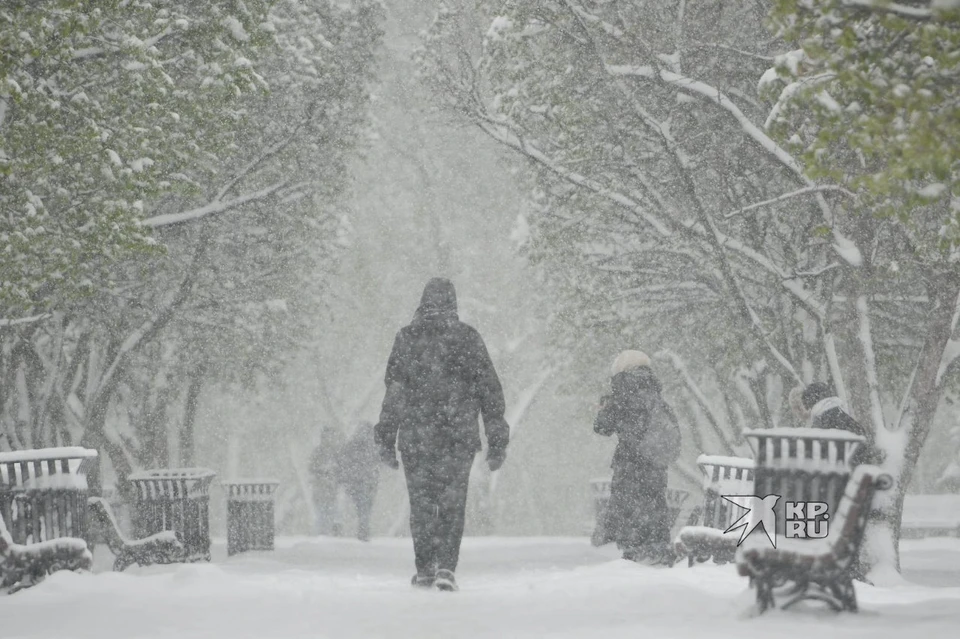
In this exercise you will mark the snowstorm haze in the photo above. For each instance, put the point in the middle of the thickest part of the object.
(431, 197)
(228, 233)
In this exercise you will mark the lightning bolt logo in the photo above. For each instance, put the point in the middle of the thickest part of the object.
(759, 513)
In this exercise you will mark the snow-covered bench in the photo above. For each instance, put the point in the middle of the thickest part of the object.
(250, 518)
(930, 516)
(162, 548)
(24, 565)
(816, 569)
(175, 499)
(722, 476)
(43, 493)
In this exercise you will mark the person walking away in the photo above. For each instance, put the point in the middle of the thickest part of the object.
(323, 469)
(439, 379)
(648, 441)
(358, 473)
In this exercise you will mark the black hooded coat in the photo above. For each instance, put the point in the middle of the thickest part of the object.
(439, 380)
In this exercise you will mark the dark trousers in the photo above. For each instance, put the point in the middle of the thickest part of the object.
(363, 497)
(325, 500)
(438, 500)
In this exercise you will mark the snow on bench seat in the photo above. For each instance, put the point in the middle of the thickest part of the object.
(24, 565)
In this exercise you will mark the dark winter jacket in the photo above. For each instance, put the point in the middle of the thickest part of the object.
(358, 464)
(439, 380)
(829, 414)
(627, 413)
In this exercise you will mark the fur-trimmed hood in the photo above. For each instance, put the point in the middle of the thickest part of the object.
(628, 360)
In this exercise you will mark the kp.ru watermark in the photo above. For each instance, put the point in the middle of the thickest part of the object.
(803, 519)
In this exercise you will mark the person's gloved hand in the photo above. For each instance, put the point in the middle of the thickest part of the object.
(495, 458)
(389, 457)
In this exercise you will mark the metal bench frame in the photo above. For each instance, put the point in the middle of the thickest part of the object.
(162, 548)
(821, 570)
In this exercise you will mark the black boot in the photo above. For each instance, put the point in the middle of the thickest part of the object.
(445, 581)
(422, 581)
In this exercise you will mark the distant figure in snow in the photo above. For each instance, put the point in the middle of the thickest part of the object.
(439, 379)
(819, 406)
(358, 473)
(323, 469)
(648, 440)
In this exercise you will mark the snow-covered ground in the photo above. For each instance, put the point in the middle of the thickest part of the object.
(542, 587)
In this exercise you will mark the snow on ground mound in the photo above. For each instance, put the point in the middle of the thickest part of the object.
(519, 588)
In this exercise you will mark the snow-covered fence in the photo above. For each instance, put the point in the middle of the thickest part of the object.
(175, 499)
(802, 465)
(250, 514)
(43, 493)
(722, 476)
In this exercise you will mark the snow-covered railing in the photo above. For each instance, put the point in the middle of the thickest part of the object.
(810, 449)
(175, 499)
(802, 465)
(250, 514)
(43, 493)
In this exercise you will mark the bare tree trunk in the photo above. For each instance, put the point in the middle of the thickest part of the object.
(187, 439)
(152, 429)
(904, 442)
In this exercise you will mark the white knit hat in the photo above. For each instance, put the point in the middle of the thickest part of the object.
(628, 360)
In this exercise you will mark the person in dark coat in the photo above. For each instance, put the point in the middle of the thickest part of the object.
(439, 379)
(636, 517)
(358, 473)
(323, 469)
(824, 409)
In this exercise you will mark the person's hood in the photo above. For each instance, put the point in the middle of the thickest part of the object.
(827, 404)
(628, 360)
(439, 301)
